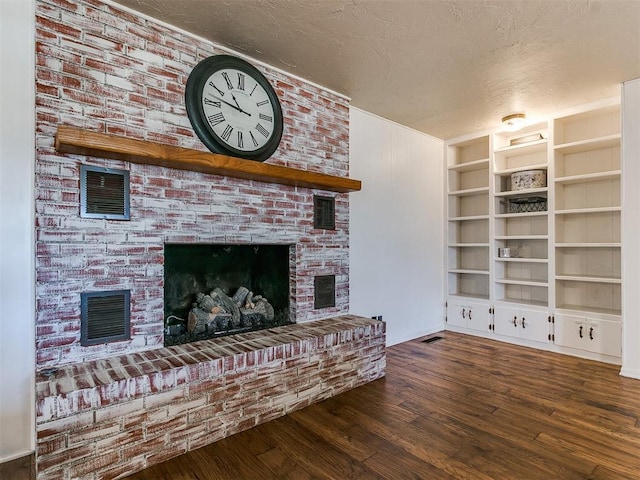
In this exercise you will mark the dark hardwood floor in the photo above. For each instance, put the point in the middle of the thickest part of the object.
(457, 408)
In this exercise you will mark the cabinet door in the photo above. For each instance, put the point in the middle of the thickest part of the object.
(534, 325)
(570, 331)
(507, 321)
(593, 335)
(457, 314)
(478, 318)
(603, 336)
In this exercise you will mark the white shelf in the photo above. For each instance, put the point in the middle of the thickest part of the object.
(589, 177)
(469, 166)
(467, 296)
(507, 172)
(523, 214)
(469, 217)
(588, 309)
(575, 211)
(522, 281)
(589, 144)
(522, 259)
(589, 278)
(523, 149)
(462, 245)
(522, 193)
(522, 237)
(520, 301)
(588, 245)
(469, 191)
(468, 271)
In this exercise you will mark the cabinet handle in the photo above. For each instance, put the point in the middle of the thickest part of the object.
(463, 313)
(590, 333)
(515, 321)
(469, 314)
(580, 331)
(523, 323)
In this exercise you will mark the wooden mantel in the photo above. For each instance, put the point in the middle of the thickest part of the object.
(77, 141)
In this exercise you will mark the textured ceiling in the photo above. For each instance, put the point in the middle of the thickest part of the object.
(445, 68)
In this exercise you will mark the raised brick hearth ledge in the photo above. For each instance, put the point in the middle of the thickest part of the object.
(109, 418)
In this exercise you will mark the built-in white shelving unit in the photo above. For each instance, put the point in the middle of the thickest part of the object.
(558, 285)
(468, 218)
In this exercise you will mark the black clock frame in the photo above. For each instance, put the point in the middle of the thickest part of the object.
(195, 111)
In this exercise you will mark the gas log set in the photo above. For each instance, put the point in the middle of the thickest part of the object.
(216, 314)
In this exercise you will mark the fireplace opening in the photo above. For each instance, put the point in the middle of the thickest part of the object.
(219, 289)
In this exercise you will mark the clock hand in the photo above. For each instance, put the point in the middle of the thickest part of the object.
(239, 108)
(231, 105)
(234, 99)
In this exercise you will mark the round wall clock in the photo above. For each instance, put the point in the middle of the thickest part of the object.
(233, 108)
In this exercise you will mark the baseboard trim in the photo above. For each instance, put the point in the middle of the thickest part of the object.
(630, 372)
(16, 456)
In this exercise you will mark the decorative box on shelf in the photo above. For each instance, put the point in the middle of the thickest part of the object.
(528, 179)
(527, 204)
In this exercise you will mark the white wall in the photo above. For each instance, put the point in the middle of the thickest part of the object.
(17, 156)
(630, 230)
(396, 239)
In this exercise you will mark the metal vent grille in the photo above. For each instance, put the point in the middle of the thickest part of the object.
(324, 291)
(104, 316)
(324, 212)
(104, 193)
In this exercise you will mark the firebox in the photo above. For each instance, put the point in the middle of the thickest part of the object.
(219, 289)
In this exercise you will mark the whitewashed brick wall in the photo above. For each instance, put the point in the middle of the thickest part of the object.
(106, 70)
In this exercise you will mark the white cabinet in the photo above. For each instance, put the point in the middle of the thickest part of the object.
(589, 334)
(527, 324)
(468, 315)
(563, 238)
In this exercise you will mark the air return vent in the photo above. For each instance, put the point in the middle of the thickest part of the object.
(324, 212)
(324, 291)
(104, 316)
(104, 193)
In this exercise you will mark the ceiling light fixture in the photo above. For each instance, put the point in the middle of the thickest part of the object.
(514, 122)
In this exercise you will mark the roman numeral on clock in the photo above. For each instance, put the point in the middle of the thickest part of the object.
(213, 103)
(211, 84)
(216, 118)
(265, 117)
(227, 133)
(240, 81)
(225, 75)
(262, 130)
(253, 139)
(240, 140)
(263, 102)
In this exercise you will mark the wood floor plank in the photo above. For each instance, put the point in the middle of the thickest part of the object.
(282, 466)
(459, 408)
(316, 456)
(335, 430)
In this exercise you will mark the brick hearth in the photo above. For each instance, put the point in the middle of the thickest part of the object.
(109, 418)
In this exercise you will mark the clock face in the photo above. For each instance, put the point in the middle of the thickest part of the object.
(238, 109)
(233, 108)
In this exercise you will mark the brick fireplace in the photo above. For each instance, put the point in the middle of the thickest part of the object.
(104, 70)
(108, 409)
